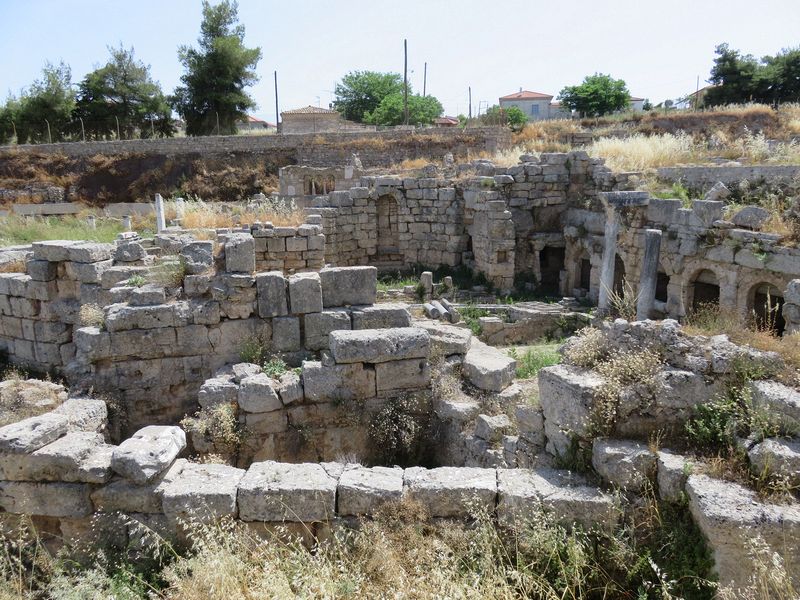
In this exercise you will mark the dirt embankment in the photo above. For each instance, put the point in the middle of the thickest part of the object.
(103, 179)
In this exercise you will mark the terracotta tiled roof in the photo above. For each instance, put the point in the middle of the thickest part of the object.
(526, 95)
(309, 110)
(635, 99)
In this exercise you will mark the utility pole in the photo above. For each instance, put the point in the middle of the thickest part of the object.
(405, 80)
(49, 137)
(83, 130)
(117, 120)
(470, 101)
(697, 94)
(217, 114)
(425, 80)
(276, 101)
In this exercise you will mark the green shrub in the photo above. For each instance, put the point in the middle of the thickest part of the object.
(274, 368)
(471, 314)
(533, 359)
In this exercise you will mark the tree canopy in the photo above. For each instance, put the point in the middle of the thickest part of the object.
(739, 78)
(359, 93)
(513, 116)
(123, 90)
(48, 102)
(598, 95)
(422, 110)
(217, 73)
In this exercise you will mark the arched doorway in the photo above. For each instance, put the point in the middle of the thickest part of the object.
(551, 263)
(766, 307)
(388, 231)
(704, 290)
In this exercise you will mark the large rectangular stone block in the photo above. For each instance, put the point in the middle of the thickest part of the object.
(46, 499)
(400, 375)
(129, 497)
(148, 452)
(277, 492)
(202, 492)
(271, 294)
(488, 368)
(32, 433)
(379, 345)
(305, 293)
(319, 325)
(363, 490)
(337, 383)
(381, 316)
(240, 253)
(286, 334)
(452, 491)
(348, 286)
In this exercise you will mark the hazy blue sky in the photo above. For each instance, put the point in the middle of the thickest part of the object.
(659, 48)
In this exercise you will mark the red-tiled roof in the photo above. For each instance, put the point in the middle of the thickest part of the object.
(526, 95)
(309, 110)
(635, 99)
(446, 120)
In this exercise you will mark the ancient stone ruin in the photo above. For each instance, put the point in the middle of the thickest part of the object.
(266, 348)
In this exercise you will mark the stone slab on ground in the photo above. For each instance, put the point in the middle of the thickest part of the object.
(125, 496)
(381, 316)
(277, 492)
(446, 339)
(32, 433)
(452, 491)
(205, 492)
(487, 368)
(731, 516)
(148, 452)
(348, 286)
(626, 464)
(46, 499)
(362, 490)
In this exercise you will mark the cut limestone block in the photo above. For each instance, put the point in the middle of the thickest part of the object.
(402, 375)
(348, 286)
(46, 499)
(204, 492)
(673, 471)
(271, 288)
(32, 433)
(488, 368)
(452, 491)
(362, 490)
(777, 457)
(381, 316)
(76, 457)
(289, 388)
(567, 398)
(305, 293)
(286, 334)
(240, 253)
(257, 394)
(731, 516)
(217, 391)
(337, 383)
(625, 464)
(276, 492)
(319, 325)
(125, 496)
(379, 345)
(446, 339)
(492, 428)
(524, 494)
(85, 414)
(148, 452)
(777, 398)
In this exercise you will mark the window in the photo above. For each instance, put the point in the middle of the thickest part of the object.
(534, 109)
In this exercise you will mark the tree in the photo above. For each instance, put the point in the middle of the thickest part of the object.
(9, 114)
(598, 95)
(212, 97)
(422, 110)
(733, 77)
(647, 105)
(123, 90)
(361, 92)
(514, 117)
(46, 105)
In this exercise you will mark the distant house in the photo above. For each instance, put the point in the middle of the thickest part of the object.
(310, 119)
(251, 123)
(697, 99)
(637, 104)
(535, 105)
(445, 121)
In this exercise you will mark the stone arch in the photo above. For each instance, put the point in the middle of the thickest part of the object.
(766, 307)
(703, 289)
(387, 218)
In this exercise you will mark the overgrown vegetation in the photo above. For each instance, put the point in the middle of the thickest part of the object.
(92, 315)
(471, 315)
(658, 553)
(535, 358)
(219, 427)
(24, 230)
(399, 432)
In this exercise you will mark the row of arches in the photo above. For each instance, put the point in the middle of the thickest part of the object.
(756, 297)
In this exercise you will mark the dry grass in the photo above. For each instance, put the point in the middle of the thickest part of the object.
(199, 214)
(639, 152)
(546, 136)
(13, 266)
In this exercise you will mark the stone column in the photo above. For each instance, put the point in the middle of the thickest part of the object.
(161, 223)
(609, 255)
(126, 223)
(91, 221)
(649, 274)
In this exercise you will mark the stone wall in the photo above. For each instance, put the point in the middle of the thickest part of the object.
(321, 149)
(700, 179)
